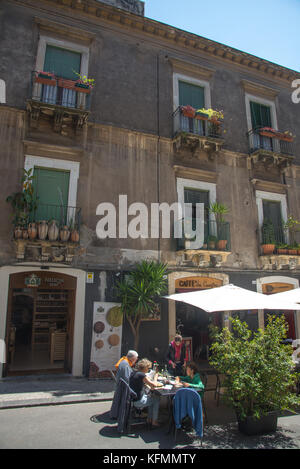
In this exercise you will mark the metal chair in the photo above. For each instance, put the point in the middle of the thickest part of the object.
(187, 402)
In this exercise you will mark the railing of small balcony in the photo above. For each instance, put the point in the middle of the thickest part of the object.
(64, 215)
(199, 234)
(196, 123)
(284, 239)
(56, 91)
(270, 140)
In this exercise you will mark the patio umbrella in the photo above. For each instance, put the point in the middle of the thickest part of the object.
(231, 298)
(290, 295)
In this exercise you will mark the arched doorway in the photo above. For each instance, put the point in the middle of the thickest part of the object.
(40, 322)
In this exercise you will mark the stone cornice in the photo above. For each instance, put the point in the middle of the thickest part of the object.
(269, 186)
(259, 90)
(197, 71)
(195, 173)
(169, 34)
(61, 29)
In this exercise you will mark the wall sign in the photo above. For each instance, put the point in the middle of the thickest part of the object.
(32, 281)
(106, 339)
(197, 283)
(276, 287)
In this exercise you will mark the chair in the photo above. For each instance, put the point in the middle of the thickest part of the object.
(113, 375)
(209, 388)
(187, 402)
(122, 408)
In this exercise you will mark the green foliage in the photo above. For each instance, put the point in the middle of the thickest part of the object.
(219, 210)
(257, 367)
(139, 292)
(268, 233)
(25, 202)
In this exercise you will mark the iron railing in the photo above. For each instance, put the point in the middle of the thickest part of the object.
(274, 143)
(62, 214)
(212, 235)
(193, 125)
(58, 91)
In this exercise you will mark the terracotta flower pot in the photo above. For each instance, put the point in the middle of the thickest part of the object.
(25, 233)
(188, 111)
(75, 236)
(281, 251)
(64, 233)
(268, 248)
(18, 232)
(53, 231)
(292, 252)
(32, 230)
(222, 243)
(43, 230)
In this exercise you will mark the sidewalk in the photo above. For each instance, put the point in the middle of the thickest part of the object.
(29, 391)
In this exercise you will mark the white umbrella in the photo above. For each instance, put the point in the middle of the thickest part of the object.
(231, 298)
(290, 295)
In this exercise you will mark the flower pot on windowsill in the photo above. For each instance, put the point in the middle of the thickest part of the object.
(45, 78)
(282, 251)
(267, 249)
(292, 252)
(201, 116)
(83, 88)
(188, 111)
(221, 244)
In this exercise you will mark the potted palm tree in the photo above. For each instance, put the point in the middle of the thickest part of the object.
(139, 292)
(257, 368)
(268, 237)
(219, 210)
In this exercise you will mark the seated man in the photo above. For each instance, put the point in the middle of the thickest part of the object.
(125, 365)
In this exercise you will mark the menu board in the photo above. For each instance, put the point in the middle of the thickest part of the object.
(106, 338)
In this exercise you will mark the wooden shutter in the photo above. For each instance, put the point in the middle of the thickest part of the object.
(62, 62)
(260, 115)
(52, 189)
(190, 94)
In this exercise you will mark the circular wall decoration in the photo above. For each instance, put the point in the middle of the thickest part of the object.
(99, 344)
(99, 327)
(113, 340)
(114, 316)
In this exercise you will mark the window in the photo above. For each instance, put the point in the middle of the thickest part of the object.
(272, 206)
(260, 113)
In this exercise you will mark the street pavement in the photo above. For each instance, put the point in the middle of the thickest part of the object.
(68, 413)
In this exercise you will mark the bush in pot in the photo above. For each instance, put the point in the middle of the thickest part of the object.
(258, 371)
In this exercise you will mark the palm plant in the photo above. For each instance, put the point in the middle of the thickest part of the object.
(139, 292)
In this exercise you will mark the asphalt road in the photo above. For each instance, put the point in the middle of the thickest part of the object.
(87, 426)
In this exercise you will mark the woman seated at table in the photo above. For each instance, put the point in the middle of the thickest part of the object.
(138, 382)
(192, 379)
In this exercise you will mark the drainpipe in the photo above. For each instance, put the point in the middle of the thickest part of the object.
(158, 148)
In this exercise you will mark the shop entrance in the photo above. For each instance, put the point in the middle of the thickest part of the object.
(193, 323)
(40, 323)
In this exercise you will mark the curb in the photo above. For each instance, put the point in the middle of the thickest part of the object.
(84, 398)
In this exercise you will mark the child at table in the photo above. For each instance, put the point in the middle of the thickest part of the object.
(192, 378)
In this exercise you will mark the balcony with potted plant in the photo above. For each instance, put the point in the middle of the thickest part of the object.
(43, 232)
(279, 247)
(65, 101)
(208, 246)
(271, 146)
(198, 129)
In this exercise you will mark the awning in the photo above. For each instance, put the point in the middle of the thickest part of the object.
(232, 298)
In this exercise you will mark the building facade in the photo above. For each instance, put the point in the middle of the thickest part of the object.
(134, 137)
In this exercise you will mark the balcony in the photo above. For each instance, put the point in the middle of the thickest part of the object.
(205, 244)
(279, 248)
(67, 102)
(195, 131)
(271, 147)
(50, 234)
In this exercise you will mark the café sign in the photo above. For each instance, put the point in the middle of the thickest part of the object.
(197, 283)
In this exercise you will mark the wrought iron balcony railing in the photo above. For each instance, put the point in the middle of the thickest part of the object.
(199, 234)
(55, 91)
(196, 124)
(64, 215)
(275, 142)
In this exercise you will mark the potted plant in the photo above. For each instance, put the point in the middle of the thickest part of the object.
(84, 83)
(219, 210)
(268, 237)
(257, 369)
(45, 78)
(281, 248)
(291, 226)
(188, 111)
(212, 241)
(24, 202)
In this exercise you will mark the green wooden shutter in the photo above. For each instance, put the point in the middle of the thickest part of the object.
(62, 62)
(190, 94)
(52, 189)
(272, 211)
(193, 197)
(260, 115)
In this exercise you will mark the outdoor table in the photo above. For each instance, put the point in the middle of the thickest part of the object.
(169, 393)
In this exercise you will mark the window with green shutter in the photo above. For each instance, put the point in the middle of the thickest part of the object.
(272, 212)
(194, 197)
(52, 189)
(62, 62)
(260, 115)
(190, 94)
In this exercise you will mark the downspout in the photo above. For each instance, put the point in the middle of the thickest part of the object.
(158, 150)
